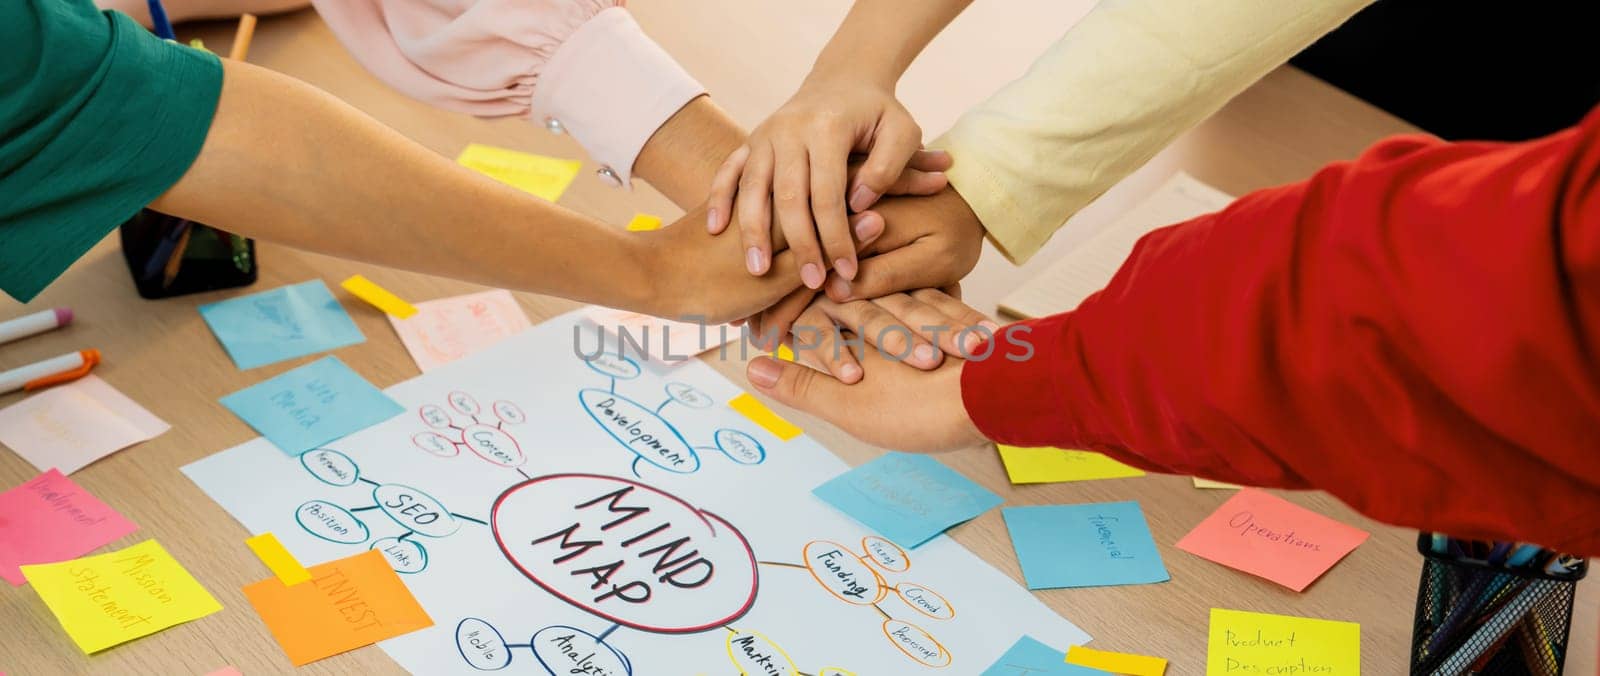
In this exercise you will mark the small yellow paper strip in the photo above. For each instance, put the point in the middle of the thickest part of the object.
(1116, 663)
(1207, 483)
(643, 222)
(758, 413)
(378, 297)
(784, 352)
(278, 559)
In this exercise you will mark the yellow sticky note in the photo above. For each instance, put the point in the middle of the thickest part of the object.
(759, 414)
(1258, 643)
(278, 559)
(109, 599)
(1207, 483)
(643, 222)
(785, 353)
(1050, 465)
(378, 297)
(1116, 663)
(545, 177)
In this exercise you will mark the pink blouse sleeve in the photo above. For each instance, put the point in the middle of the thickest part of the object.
(582, 67)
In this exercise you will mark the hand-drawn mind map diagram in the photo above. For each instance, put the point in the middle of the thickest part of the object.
(631, 555)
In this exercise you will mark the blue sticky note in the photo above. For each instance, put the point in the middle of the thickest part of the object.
(908, 498)
(1091, 545)
(284, 323)
(311, 405)
(1029, 657)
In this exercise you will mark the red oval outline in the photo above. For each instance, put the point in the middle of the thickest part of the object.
(755, 586)
(522, 456)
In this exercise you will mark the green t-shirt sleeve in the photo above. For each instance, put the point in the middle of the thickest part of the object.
(98, 117)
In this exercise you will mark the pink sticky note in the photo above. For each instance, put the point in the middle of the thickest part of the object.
(51, 519)
(225, 671)
(1262, 534)
(448, 329)
(69, 426)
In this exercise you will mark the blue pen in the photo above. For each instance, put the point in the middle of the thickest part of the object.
(1439, 543)
(1497, 555)
(1523, 555)
(165, 250)
(158, 18)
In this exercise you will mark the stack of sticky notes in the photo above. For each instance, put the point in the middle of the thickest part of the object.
(1051, 465)
(70, 426)
(908, 498)
(109, 599)
(1258, 643)
(312, 405)
(283, 323)
(546, 177)
(1265, 535)
(347, 603)
(51, 519)
(1089, 545)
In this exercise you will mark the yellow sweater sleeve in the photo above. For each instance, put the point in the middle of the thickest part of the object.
(1117, 88)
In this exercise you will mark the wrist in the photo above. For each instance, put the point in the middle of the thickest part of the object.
(965, 432)
(856, 72)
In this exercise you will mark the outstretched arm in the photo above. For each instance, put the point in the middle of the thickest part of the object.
(1414, 332)
(286, 162)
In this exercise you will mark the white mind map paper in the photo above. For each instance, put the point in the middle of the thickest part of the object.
(561, 515)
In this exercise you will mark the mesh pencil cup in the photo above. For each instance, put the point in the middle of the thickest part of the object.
(1474, 617)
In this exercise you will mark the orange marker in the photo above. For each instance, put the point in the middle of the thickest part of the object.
(62, 369)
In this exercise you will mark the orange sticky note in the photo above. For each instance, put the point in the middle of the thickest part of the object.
(1265, 535)
(348, 603)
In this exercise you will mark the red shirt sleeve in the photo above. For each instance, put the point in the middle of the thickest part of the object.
(1416, 332)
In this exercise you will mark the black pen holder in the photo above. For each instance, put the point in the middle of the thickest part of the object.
(1473, 617)
(206, 259)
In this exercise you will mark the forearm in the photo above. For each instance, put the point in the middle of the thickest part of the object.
(288, 163)
(879, 39)
(1428, 309)
(1115, 90)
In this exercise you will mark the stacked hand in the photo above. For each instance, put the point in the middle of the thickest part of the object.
(797, 165)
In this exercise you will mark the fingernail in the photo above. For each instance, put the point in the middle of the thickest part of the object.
(850, 373)
(925, 354)
(839, 288)
(711, 220)
(971, 343)
(754, 261)
(845, 267)
(764, 372)
(862, 198)
(811, 274)
(868, 227)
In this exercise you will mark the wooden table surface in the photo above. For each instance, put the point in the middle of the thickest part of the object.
(161, 354)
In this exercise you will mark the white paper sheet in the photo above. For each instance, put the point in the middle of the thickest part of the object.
(511, 451)
(1088, 268)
